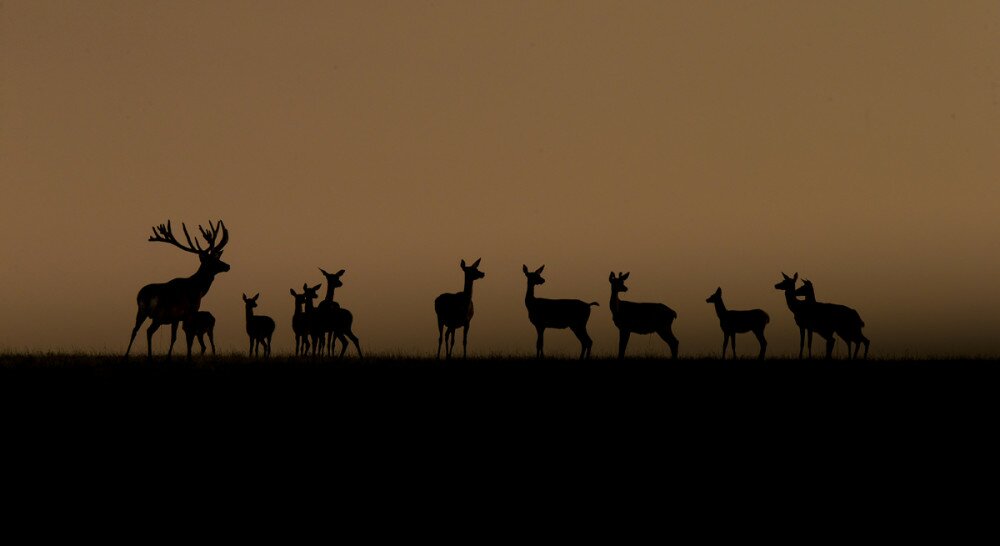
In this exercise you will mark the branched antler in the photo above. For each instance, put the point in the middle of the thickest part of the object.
(165, 234)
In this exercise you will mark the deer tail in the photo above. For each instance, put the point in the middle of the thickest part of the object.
(595, 304)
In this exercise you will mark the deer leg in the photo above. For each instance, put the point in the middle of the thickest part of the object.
(539, 345)
(829, 346)
(354, 340)
(811, 343)
(189, 341)
(201, 341)
(451, 346)
(211, 339)
(762, 341)
(140, 317)
(802, 340)
(440, 335)
(149, 338)
(585, 341)
(667, 335)
(267, 347)
(623, 336)
(465, 339)
(725, 344)
(173, 338)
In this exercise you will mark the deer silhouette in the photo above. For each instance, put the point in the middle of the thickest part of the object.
(546, 313)
(197, 325)
(843, 320)
(334, 321)
(739, 322)
(639, 318)
(173, 301)
(808, 316)
(315, 332)
(454, 310)
(301, 323)
(259, 328)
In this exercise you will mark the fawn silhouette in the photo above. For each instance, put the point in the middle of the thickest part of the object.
(454, 310)
(314, 330)
(301, 323)
(546, 313)
(843, 320)
(197, 325)
(259, 328)
(173, 301)
(640, 318)
(808, 316)
(739, 322)
(334, 321)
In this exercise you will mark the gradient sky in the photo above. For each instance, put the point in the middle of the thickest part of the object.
(695, 144)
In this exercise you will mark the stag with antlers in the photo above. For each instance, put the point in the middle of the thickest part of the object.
(174, 301)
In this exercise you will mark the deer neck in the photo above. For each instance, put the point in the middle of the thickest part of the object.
(329, 292)
(202, 279)
(249, 315)
(615, 301)
(309, 306)
(298, 308)
(467, 289)
(529, 297)
(791, 300)
(720, 308)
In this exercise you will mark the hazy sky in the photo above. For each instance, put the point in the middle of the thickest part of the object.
(695, 144)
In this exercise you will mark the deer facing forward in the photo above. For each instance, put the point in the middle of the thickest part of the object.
(843, 320)
(545, 313)
(454, 310)
(334, 321)
(640, 318)
(173, 301)
(259, 328)
(739, 322)
(301, 326)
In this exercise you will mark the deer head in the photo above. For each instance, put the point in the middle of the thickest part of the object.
(787, 283)
(250, 302)
(333, 279)
(618, 283)
(472, 272)
(534, 277)
(806, 290)
(309, 293)
(216, 237)
(716, 296)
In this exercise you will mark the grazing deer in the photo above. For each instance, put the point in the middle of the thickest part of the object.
(455, 310)
(173, 301)
(846, 322)
(197, 325)
(640, 318)
(259, 328)
(545, 313)
(739, 322)
(808, 317)
(334, 321)
(300, 323)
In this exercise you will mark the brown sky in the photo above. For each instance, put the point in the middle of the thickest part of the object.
(695, 144)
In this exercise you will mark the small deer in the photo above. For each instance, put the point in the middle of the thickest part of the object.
(315, 331)
(546, 313)
(739, 322)
(808, 316)
(844, 321)
(300, 323)
(640, 318)
(173, 301)
(197, 325)
(259, 328)
(334, 321)
(454, 310)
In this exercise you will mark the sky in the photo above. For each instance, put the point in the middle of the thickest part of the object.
(694, 144)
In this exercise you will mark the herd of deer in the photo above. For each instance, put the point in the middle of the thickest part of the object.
(317, 327)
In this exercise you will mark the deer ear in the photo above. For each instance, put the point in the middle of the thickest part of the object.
(341, 272)
(625, 276)
(795, 277)
(244, 297)
(317, 286)
(612, 276)
(476, 263)
(539, 270)
(323, 271)
(292, 290)
(305, 287)
(463, 264)
(524, 268)
(255, 297)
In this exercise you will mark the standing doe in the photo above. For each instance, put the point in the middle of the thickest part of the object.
(843, 320)
(333, 320)
(259, 328)
(640, 318)
(197, 325)
(808, 316)
(173, 301)
(301, 325)
(739, 322)
(545, 313)
(454, 310)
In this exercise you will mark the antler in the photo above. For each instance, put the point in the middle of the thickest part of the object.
(165, 234)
